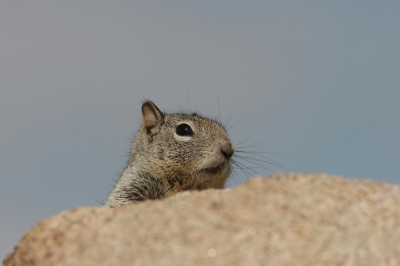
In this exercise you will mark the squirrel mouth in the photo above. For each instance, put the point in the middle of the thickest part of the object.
(212, 175)
(211, 170)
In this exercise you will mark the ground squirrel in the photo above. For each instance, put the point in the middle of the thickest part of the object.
(173, 153)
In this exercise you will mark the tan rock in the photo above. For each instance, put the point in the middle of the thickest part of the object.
(287, 219)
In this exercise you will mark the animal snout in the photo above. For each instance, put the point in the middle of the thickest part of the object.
(227, 149)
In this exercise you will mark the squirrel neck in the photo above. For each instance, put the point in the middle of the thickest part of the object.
(140, 183)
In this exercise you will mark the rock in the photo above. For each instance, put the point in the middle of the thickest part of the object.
(286, 219)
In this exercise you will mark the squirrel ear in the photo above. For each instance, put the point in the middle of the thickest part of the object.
(152, 118)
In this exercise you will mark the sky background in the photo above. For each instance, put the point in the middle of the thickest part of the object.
(318, 82)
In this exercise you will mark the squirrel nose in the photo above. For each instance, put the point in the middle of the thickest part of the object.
(227, 149)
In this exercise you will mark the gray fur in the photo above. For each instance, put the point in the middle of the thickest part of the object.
(163, 162)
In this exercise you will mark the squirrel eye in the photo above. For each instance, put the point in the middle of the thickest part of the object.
(184, 130)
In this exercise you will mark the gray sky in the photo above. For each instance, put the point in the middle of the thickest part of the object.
(319, 82)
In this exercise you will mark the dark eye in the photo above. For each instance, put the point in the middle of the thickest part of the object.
(184, 130)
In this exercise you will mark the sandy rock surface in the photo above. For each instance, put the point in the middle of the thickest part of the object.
(286, 219)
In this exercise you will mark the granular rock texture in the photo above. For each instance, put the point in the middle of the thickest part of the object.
(286, 219)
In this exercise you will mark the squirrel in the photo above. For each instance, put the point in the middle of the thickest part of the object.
(173, 153)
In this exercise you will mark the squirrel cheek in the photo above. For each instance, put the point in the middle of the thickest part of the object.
(160, 154)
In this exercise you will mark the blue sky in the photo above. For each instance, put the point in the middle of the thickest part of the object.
(319, 82)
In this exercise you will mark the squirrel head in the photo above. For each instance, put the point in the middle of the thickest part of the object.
(187, 150)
